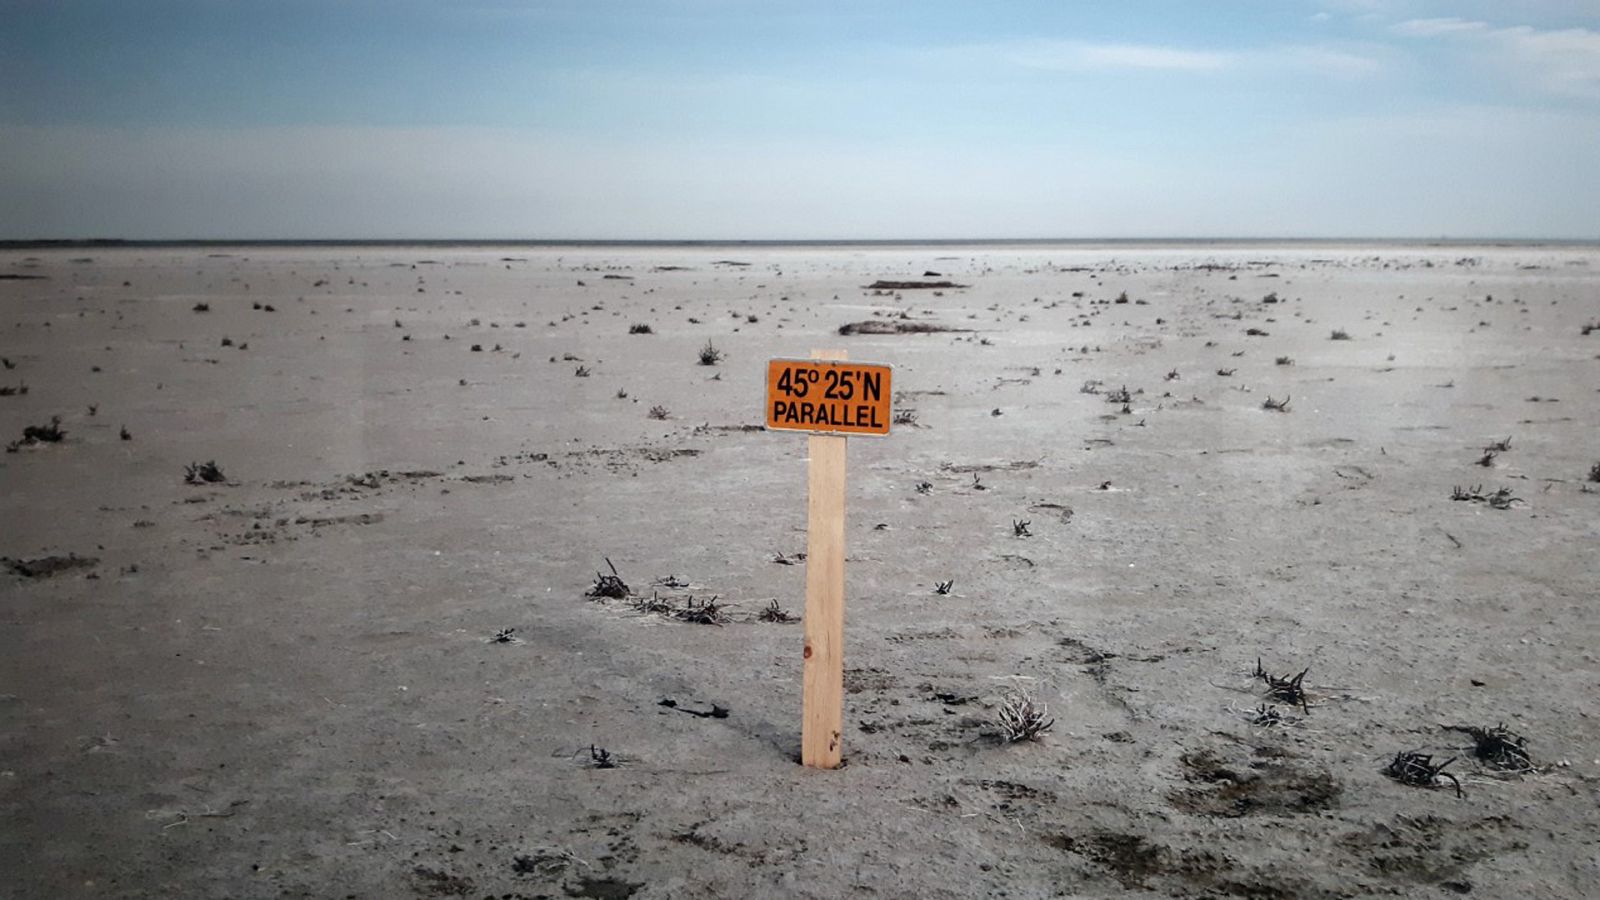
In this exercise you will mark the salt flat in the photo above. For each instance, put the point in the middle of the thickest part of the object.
(284, 683)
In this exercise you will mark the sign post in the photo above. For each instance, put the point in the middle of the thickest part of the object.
(829, 398)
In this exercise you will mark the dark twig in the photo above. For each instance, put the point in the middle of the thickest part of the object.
(1498, 747)
(609, 586)
(1417, 769)
(1289, 690)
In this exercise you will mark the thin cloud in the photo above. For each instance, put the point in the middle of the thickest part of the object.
(1081, 56)
(1563, 61)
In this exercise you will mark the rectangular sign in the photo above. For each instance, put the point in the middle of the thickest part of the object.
(828, 397)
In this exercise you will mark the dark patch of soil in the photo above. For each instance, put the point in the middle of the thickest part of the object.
(894, 326)
(1131, 859)
(1272, 785)
(47, 566)
(603, 888)
(438, 883)
(1428, 849)
(912, 285)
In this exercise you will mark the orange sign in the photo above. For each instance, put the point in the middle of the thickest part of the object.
(826, 397)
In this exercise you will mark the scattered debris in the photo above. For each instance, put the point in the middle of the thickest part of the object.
(924, 487)
(775, 613)
(203, 473)
(1019, 528)
(1266, 716)
(1277, 405)
(686, 609)
(1500, 499)
(1226, 373)
(609, 586)
(505, 636)
(1021, 717)
(1498, 747)
(716, 712)
(1288, 690)
(34, 435)
(601, 758)
(1498, 446)
(1417, 769)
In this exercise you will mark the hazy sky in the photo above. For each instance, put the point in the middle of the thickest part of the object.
(799, 118)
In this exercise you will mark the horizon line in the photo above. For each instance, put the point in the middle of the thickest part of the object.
(46, 243)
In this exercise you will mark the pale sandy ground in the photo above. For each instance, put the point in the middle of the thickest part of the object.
(281, 686)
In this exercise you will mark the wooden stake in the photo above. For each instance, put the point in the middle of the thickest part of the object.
(822, 724)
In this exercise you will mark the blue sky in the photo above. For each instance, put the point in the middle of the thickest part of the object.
(768, 120)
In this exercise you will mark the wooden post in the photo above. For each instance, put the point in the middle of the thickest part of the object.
(822, 724)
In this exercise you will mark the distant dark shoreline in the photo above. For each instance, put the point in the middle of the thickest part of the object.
(114, 243)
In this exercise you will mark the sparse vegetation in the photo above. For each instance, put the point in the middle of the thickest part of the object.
(1417, 769)
(658, 412)
(1276, 405)
(581, 371)
(640, 328)
(203, 473)
(1021, 717)
(1226, 373)
(1019, 528)
(1498, 747)
(608, 587)
(772, 612)
(879, 326)
(942, 588)
(1594, 472)
(32, 435)
(1285, 361)
(1339, 334)
(201, 307)
(1287, 689)
(710, 355)
(905, 417)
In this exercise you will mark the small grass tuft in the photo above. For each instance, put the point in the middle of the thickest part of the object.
(1021, 717)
